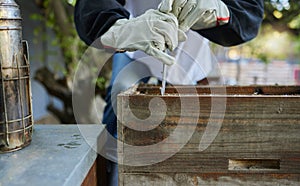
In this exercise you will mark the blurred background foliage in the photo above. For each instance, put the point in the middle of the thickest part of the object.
(279, 37)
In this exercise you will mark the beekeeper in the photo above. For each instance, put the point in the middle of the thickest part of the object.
(156, 32)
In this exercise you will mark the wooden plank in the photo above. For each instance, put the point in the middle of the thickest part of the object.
(97, 175)
(91, 178)
(230, 90)
(261, 125)
(180, 179)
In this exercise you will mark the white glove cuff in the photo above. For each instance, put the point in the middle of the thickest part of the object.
(216, 16)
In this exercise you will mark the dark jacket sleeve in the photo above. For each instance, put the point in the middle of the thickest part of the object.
(245, 20)
(94, 17)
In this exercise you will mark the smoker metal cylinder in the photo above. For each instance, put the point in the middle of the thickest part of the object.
(16, 121)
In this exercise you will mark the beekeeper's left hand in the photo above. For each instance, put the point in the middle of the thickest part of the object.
(197, 14)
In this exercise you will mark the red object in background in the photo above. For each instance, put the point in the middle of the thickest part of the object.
(297, 76)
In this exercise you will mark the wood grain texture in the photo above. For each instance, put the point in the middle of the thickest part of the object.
(261, 124)
(97, 175)
(187, 179)
(91, 177)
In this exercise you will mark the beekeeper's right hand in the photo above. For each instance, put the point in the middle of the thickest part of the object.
(153, 32)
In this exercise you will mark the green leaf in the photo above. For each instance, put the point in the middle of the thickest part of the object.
(72, 2)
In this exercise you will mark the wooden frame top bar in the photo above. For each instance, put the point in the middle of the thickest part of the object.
(219, 90)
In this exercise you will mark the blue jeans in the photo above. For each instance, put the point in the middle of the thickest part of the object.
(120, 60)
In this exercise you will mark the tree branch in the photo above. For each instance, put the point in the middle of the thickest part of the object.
(52, 85)
(64, 117)
(61, 17)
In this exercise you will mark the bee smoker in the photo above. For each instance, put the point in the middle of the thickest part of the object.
(16, 121)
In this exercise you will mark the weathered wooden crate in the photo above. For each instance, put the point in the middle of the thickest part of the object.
(256, 130)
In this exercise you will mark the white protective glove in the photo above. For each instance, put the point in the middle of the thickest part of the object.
(153, 32)
(197, 14)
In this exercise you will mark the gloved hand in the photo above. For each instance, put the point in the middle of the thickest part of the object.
(153, 32)
(197, 14)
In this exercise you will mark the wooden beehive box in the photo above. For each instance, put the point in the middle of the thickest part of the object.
(241, 135)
